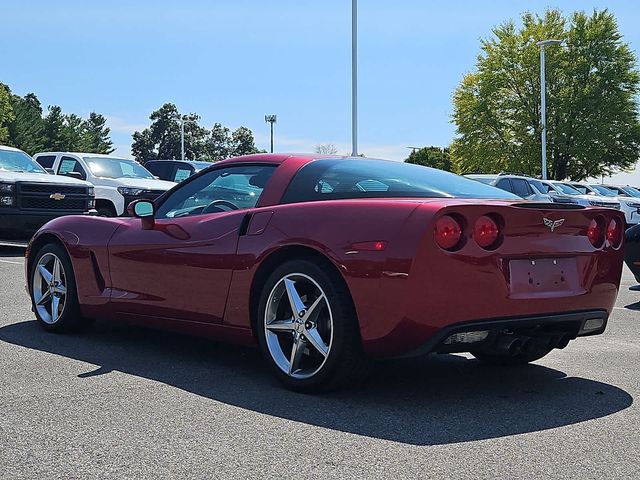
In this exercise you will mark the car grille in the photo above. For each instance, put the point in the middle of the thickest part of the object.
(37, 196)
(49, 189)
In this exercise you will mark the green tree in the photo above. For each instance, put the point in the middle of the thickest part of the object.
(26, 131)
(94, 135)
(6, 113)
(72, 130)
(592, 86)
(434, 157)
(242, 142)
(53, 130)
(218, 143)
(162, 139)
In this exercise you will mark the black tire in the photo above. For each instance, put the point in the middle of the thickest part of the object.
(504, 359)
(69, 318)
(106, 212)
(345, 362)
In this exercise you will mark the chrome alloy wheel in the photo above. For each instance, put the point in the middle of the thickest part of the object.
(298, 325)
(49, 287)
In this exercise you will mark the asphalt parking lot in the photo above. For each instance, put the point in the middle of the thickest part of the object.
(124, 402)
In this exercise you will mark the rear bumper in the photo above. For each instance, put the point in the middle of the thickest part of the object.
(555, 329)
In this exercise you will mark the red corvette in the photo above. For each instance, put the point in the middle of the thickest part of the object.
(327, 261)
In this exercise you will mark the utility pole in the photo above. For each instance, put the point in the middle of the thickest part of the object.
(543, 104)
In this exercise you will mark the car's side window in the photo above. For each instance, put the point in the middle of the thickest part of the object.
(68, 164)
(218, 191)
(521, 187)
(46, 161)
(504, 184)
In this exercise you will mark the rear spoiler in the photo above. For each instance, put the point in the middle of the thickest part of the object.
(549, 206)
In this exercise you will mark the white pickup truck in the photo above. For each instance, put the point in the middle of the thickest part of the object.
(117, 181)
(30, 197)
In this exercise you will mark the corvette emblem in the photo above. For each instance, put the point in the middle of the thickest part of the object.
(57, 196)
(553, 224)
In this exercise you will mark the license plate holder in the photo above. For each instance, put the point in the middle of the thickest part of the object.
(544, 277)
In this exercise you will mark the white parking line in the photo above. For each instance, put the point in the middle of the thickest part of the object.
(9, 261)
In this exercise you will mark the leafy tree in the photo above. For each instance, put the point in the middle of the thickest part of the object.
(591, 84)
(27, 130)
(218, 143)
(94, 134)
(242, 142)
(6, 113)
(72, 133)
(434, 157)
(326, 149)
(162, 139)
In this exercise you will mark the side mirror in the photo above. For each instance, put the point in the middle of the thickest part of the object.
(144, 210)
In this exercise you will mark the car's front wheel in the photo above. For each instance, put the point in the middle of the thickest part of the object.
(307, 328)
(53, 289)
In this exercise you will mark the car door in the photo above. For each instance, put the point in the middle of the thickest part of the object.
(68, 165)
(181, 268)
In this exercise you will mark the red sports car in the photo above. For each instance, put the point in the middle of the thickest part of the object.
(325, 261)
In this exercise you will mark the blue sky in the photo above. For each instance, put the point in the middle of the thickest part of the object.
(235, 61)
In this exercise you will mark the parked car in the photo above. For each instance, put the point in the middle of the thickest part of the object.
(625, 190)
(629, 206)
(30, 197)
(632, 252)
(323, 262)
(175, 170)
(559, 189)
(525, 187)
(117, 181)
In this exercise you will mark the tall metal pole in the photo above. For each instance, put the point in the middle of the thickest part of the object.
(182, 136)
(271, 137)
(354, 77)
(543, 114)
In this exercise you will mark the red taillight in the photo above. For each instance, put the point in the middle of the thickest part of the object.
(486, 232)
(595, 232)
(614, 232)
(447, 232)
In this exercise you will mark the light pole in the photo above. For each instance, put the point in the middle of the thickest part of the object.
(543, 104)
(354, 77)
(271, 119)
(182, 122)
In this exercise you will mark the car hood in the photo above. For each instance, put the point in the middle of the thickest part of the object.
(6, 176)
(147, 183)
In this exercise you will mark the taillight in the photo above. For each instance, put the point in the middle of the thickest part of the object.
(595, 232)
(614, 232)
(486, 232)
(447, 232)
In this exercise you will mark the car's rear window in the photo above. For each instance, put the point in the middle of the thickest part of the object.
(331, 179)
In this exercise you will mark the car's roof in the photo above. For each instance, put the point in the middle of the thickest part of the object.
(85, 154)
(10, 149)
(278, 158)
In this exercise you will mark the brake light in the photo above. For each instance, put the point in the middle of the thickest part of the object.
(486, 232)
(447, 232)
(595, 232)
(614, 232)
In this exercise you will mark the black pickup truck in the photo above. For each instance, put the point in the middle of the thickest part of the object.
(30, 197)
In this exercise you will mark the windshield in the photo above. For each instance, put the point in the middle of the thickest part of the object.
(201, 165)
(604, 191)
(331, 179)
(566, 189)
(538, 185)
(634, 192)
(488, 179)
(109, 167)
(18, 162)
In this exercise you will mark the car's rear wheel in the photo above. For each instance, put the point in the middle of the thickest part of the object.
(506, 359)
(307, 328)
(53, 290)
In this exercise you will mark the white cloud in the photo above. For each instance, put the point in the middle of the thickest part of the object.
(120, 125)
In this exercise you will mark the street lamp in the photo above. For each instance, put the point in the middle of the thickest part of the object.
(543, 104)
(182, 122)
(271, 119)
(354, 77)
